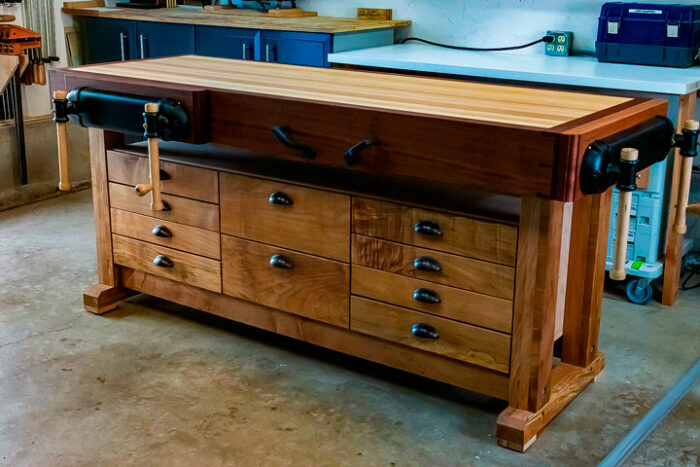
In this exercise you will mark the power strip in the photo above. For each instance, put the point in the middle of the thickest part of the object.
(561, 45)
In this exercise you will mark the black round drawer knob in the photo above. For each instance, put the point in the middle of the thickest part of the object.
(427, 263)
(281, 198)
(428, 228)
(161, 231)
(163, 261)
(426, 296)
(282, 262)
(424, 331)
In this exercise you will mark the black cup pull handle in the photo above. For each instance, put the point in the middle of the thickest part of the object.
(164, 175)
(424, 331)
(163, 261)
(282, 135)
(352, 155)
(426, 296)
(282, 262)
(281, 198)
(428, 228)
(427, 263)
(162, 231)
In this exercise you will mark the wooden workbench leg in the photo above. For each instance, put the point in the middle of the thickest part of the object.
(674, 241)
(102, 297)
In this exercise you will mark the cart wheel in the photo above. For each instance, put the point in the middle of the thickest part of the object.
(638, 296)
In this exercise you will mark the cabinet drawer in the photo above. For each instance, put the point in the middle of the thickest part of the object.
(464, 342)
(490, 241)
(182, 210)
(183, 180)
(175, 265)
(308, 286)
(444, 268)
(449, 302)
(165, 233)
(308, 220)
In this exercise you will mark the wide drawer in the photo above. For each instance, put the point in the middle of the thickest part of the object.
(457, 271)
(298, 283)
(182, 210)
(180, 180)
(460, 341)
(166, 262)
(166, 233)
(487, 240)
(290, 216)
(449, 302)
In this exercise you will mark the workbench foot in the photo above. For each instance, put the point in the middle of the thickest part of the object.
(101, 298)
(517, 429)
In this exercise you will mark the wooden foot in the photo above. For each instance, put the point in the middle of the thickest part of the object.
(101, 298)
(517, 429)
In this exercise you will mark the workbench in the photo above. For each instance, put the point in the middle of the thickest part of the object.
(425, 224)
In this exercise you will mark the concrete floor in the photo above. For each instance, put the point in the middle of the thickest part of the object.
(157, 384)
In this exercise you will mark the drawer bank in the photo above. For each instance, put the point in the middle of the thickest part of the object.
(424, 224)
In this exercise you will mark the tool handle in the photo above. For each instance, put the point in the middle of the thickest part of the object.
(624, 209)
(7, 18)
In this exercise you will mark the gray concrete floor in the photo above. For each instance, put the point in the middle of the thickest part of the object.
(157, 384)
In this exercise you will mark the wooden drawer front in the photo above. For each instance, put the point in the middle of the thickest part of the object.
(182, 210)
(186, 181)
(190, 269)
(464, 342)
(317, 222)
(468, 307)
(474, 238)
(165, 233)
(313, 287)
(456, 271)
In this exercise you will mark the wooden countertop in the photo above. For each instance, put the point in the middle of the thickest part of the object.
(240, 19)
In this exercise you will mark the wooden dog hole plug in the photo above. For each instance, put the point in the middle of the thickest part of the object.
(153, 187)
(679, 224)
(624, 209)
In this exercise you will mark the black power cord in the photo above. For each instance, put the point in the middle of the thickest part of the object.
(546, 39)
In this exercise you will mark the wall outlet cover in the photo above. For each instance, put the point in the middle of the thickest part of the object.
(561, 46)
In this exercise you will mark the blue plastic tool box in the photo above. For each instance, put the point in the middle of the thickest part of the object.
(648, 34)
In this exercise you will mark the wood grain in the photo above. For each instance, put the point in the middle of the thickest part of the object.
(185, 238)
(182, 210)
(315, 288)
(473, 238)
(318, 222)
(460, 305)
(471, 344)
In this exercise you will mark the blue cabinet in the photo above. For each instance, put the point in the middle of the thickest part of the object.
(108, 40)
(164, 39)
(214, 41)
(295, 48)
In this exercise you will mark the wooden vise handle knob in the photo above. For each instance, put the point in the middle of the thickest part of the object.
(624, 209)
(686, 172)
(62, 139)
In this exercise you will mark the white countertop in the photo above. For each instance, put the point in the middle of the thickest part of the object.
(583, 71)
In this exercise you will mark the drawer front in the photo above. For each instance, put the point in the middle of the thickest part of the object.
(449, 302)
(182, 210)
(303, 219)
(444, 268)
(309, 286)
(186, 181)
(465, 236)
(464, 342)
(175, 265)
(165, 233)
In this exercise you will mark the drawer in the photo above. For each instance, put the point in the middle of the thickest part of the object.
(460, 341)
(490, 241)
(165, 233)
(182, 180)
(182, 210)
(306, 285)
(449, 302)
(444, 268)
(175, 265)
(289, 216)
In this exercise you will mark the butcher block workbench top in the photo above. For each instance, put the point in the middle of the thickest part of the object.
(240, 19)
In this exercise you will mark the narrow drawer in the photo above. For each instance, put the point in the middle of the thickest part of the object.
(180, 180)
(175, 265)
(303, 219)
(457, 271)
(449, 302)
(487, 240)
(298, 283)
(182, 210)
(464, 342)
(165, 233)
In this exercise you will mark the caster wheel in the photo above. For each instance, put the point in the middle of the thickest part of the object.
(638, 296)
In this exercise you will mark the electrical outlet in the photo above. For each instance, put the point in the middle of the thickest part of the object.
(561, 46)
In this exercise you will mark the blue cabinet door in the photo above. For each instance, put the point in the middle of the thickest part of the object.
(164, 39)
(214, 41)
(108, 40)
(295, 48)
